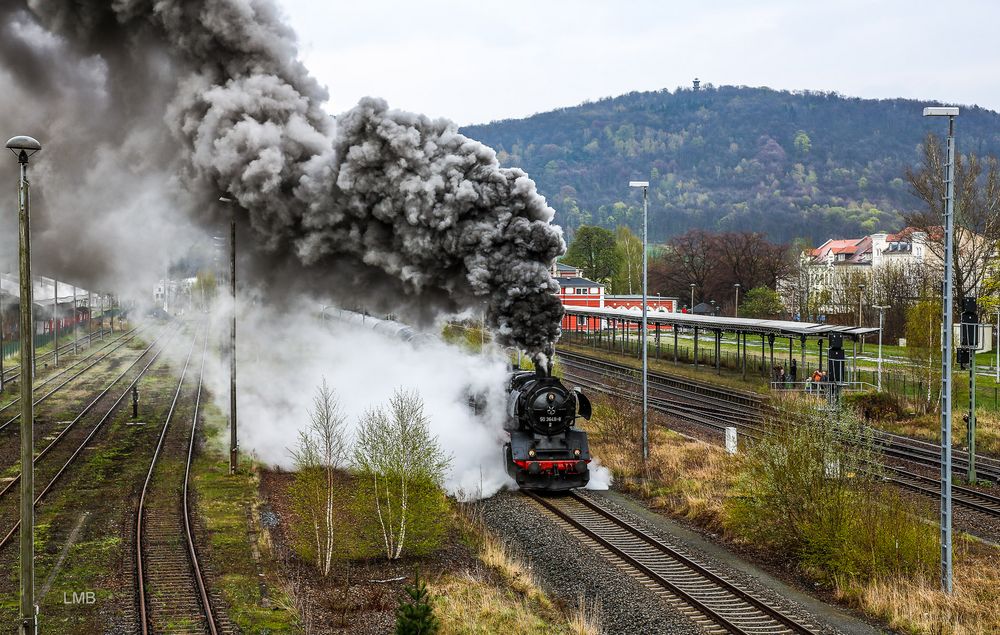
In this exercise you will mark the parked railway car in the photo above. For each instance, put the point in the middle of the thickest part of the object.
(545, 451)
(389, 328)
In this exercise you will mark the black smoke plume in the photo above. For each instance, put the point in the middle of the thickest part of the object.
(391, 208)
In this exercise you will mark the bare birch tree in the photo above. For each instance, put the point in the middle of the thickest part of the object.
(404, 466)
(977, 211)
(322, 450)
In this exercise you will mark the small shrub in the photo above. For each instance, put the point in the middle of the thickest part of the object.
(415, 615)
(876, 406)
(810, 489)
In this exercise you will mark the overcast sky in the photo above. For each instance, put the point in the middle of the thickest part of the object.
(477, 61)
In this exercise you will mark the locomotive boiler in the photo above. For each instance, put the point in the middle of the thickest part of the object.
(546, 452)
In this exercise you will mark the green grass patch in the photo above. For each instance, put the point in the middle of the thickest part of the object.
(226, 504)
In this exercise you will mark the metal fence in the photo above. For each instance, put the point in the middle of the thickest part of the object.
(903, 384)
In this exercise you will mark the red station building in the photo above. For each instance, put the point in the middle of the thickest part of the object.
(575, 290)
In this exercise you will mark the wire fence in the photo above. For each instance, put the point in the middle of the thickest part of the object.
(904, 384)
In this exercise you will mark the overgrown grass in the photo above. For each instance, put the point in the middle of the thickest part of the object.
(685, 476)
(929, 427)
(504, 597)
(917, 604)
(227, 505)
(804, 495)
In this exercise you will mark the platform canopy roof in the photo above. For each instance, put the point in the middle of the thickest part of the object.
(782, 328)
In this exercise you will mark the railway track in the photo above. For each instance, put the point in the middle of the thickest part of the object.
(55, 459)
(172, 594)
(709, 599)
(12, 374)
(87, 363)
(684, 403)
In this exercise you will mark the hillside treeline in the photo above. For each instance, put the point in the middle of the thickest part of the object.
(790, 165)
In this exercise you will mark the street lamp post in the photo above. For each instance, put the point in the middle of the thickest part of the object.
(645, 362)
(24, 147)
(233, 443)
(947, 352)
(692, 285)
(736, 310)
(881, 315)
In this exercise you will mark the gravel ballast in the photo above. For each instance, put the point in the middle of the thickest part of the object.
(568, 571)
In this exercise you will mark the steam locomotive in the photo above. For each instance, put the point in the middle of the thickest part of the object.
(545, 452)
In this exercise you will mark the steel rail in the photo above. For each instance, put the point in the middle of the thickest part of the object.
(89, 437)
(141, 510)
(714, 597)
(199, 575)
(65, 382)
(16, 370)
(689, 385)
(716, 420)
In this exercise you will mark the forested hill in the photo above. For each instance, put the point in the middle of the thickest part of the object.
(792, 165)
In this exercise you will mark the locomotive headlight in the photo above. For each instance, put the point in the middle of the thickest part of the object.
(551, 396)
(576, 452)
(531, 453)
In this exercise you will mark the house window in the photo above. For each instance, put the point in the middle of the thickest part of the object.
(568, 291)
(581, 291)
(593, 290)
(581, 321)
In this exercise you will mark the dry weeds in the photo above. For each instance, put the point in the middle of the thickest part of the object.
(692, 479)
(919, 606)
(505, 597)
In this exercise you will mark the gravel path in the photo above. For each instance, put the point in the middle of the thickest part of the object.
(569, 572)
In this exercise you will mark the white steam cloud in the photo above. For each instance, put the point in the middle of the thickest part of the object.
(282, 361)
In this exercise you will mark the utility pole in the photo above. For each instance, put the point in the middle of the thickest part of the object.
(233, 442)
(645, 349)
(948, 346)
(76, 331)
(55, 316)
(90, 318)
(881, 322)
(24, 147)
(2, 325)
(861, 298)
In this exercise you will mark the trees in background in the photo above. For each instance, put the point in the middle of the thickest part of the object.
(715, 262)
(989, 296)
(761, 302)
(593, 250)
(977, 210)
(203, 290)
(627, 277)
(788, 164)
(923, 347)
